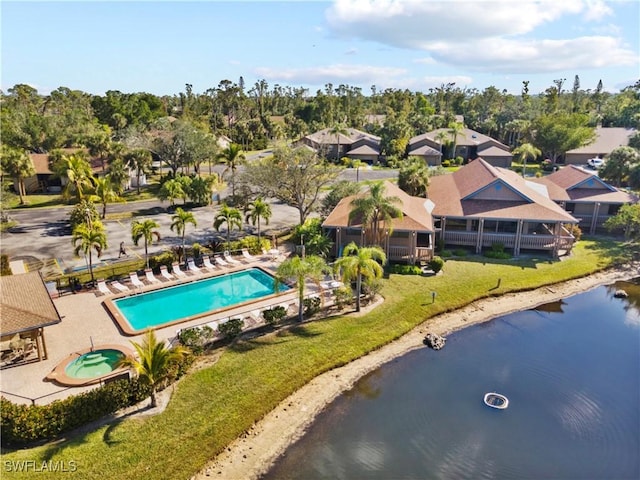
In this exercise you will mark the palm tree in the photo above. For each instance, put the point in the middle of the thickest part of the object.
(357, 262)
(375, 209)
(454, 130)
(17, 164)
(298, 270)
(77, 170)
(153, 362)
(255, 211)
(89, 237)
(413, 177)
(180, 221)
(139, 160)
(145, 230)
(104, 193)
(337, 130)
(99, 145)
(229, 216)
(524, 152)
(440, 137)
(232, 156)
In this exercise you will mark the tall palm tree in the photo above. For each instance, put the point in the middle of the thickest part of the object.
(454, 130)
(357, 262)
(99, 145)
(524, 152)
(337, 130)
(298, 270)
(180, 221)
(374, 209)
(229, 216)
(145, 230)
(75, 168)
(138, 160)
(17, 164)
(153, 362)
(89, 237)
(104, 193)
(232, 156)
(256, 210)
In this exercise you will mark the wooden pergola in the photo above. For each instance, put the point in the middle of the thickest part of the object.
(25, 309)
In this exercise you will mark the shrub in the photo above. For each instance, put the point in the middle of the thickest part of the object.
(547, 165)
(343, 297)
(83, 212)
(446, 253)
(231, 328)
(400, 269)
(311, 306)
(274, 315)
(196, 338)
(5, 268)
(497, 251)
(460, 252)
(372, 286)
(459, 160)
(165, 258)
(446, 163)
(24, 424)
(196, 249)
(436, 264)
(575, 230)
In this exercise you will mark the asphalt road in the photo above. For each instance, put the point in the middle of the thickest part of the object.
(43, 236)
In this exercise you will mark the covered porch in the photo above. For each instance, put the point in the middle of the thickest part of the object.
(518, 235)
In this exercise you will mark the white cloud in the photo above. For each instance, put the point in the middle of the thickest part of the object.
(416, 23)
(493, 36)
(319, 75)
(535, 56)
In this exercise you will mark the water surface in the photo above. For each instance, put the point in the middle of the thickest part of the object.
(570, 369)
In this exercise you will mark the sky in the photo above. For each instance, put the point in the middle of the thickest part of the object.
(159, 46)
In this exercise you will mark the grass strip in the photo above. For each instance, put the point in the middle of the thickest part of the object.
(213, 406)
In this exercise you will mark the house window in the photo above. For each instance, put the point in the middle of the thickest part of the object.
(570, 207)
(614, 209)
(456, 224)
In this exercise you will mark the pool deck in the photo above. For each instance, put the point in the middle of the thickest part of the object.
(86, 322)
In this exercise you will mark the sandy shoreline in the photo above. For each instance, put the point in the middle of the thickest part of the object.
(253, 454)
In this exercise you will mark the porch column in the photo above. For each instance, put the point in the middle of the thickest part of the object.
(443, 224)
(338, 242)
(516, 246)
(414, 246)
(556, 239)
(594, 219)
(386, 243)
(45, 355)
(479, 237)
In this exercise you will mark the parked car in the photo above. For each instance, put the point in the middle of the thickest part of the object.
(595, 163)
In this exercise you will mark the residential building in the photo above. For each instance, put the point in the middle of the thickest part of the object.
(469, 145)
(606, 141)
(353, 144)
(585, 195)
(407, 239)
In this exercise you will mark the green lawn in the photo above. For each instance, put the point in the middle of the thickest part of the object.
(213, 406)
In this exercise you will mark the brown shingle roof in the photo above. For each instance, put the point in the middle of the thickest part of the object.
(416, 216)
(566, 183)
(607, 140)
(453, 196)
(41, 161)
(25, 304)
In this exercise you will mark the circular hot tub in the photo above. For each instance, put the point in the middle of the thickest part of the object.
(90, 366)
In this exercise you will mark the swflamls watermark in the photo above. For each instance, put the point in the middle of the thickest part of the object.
(59, 466)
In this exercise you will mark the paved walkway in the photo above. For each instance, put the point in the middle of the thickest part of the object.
(85, 322)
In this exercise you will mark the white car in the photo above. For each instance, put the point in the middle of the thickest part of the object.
(595, 163)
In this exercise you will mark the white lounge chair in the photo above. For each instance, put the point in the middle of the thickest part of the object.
(220, 261)
(230, 259)
(191, 266)
(206, 262)
(165, 272)
(175, 268)
(150, 277)
(120, 287)
(247, 255)
(133, 276)
(102, 288)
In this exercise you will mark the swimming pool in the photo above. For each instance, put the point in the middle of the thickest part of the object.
(179, 303)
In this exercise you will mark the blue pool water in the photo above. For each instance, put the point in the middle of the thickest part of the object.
(167, 305)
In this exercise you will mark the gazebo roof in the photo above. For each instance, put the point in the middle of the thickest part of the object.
(25, 304)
